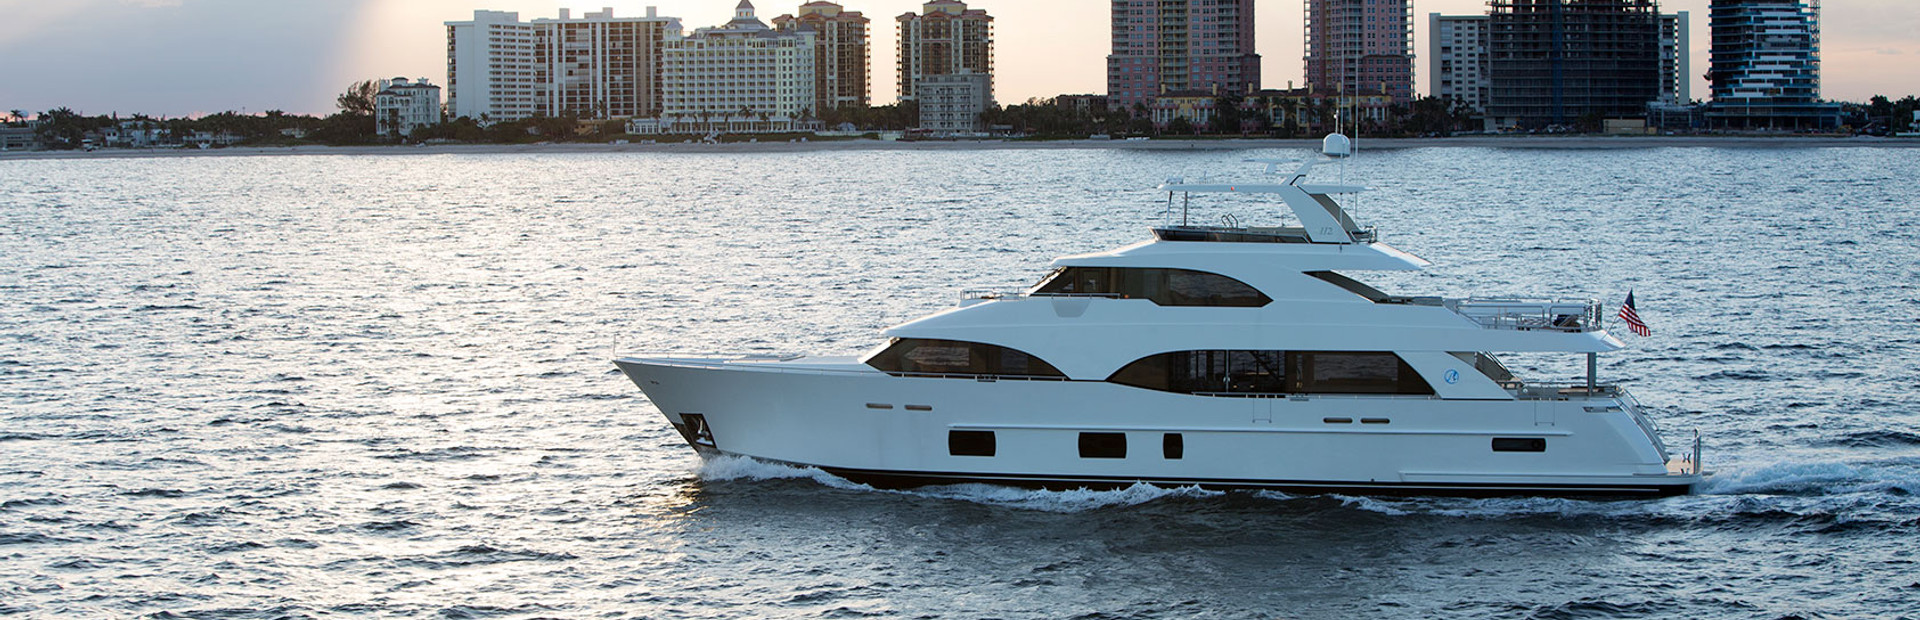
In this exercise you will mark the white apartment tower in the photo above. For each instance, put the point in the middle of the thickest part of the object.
(1457, 57)
(600, 66)
(739, 77)
(1676, 83)
(491, 74)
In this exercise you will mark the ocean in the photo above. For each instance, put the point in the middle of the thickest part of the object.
(324, 386)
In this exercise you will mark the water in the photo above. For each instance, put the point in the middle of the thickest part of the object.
(344, 386)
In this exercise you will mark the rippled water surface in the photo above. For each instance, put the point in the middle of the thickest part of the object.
(330, 386)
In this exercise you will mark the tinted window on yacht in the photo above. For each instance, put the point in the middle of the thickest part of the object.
(970, 443)
(1166, 287)
(1234, 372)
(1354, 372)
(955, 357)
(1103, 445)
(1208, 372)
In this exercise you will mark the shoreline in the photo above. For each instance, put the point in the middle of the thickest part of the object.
(1158, 144)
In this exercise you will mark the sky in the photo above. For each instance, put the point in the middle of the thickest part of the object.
(194, 57)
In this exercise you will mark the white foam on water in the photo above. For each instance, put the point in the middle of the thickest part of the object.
(729, 467)
(1076, 500)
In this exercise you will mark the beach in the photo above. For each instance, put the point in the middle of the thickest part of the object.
(1499, 142)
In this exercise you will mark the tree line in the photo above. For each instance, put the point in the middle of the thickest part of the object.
(1232, 115)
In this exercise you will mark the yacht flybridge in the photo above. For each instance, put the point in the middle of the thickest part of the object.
(1219, 356)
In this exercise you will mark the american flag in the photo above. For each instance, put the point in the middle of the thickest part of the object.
(1632, 317)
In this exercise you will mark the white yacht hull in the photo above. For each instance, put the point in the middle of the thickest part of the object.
(894, 431)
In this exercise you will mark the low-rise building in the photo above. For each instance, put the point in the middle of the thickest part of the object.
(1196, 107)
(952, 102)
(17, 139)
(1307, 110)
(402, 106)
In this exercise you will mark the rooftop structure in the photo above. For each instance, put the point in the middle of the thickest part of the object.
(1360, 46)
(946, 37)
(1162, 46)
(841, 65)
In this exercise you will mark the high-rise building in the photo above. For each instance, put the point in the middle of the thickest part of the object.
(403, 105)
(600, 66)
(491, 73)
(1457, 58)
(739, 77)
(1676, 79)
(1765, 65)
(597, 66)
(840, 52)
(1556, 62)
(1180, 45)
(1360, 46)
(946, 37)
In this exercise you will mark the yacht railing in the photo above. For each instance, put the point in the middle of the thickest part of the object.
(1528, 390)
(1529, 314)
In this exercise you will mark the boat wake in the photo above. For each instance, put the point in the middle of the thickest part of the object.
(730, 467)
(1884, 492)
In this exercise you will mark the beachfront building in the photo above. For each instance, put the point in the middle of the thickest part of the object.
(599, 66)
(1458, 67)
(17, 138)
(1296, 111)
(1556, 63)
(1457, 58)
(740, 77)
(1765, 66)
(945, 37)
(840, 60)
(491, 74)
(403, 105)
(1676, 79)
(952, 103)
(1360, 46)
(1162, 46)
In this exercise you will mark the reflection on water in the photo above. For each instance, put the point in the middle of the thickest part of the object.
(379, 385)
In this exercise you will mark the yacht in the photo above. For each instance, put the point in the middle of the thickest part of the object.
(1226, 357)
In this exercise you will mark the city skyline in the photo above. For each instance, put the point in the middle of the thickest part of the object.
(184, 57)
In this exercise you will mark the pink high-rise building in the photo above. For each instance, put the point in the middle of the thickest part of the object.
(1360, 47)
(1180, 45)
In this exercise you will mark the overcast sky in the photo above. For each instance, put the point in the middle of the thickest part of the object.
(191, 57)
